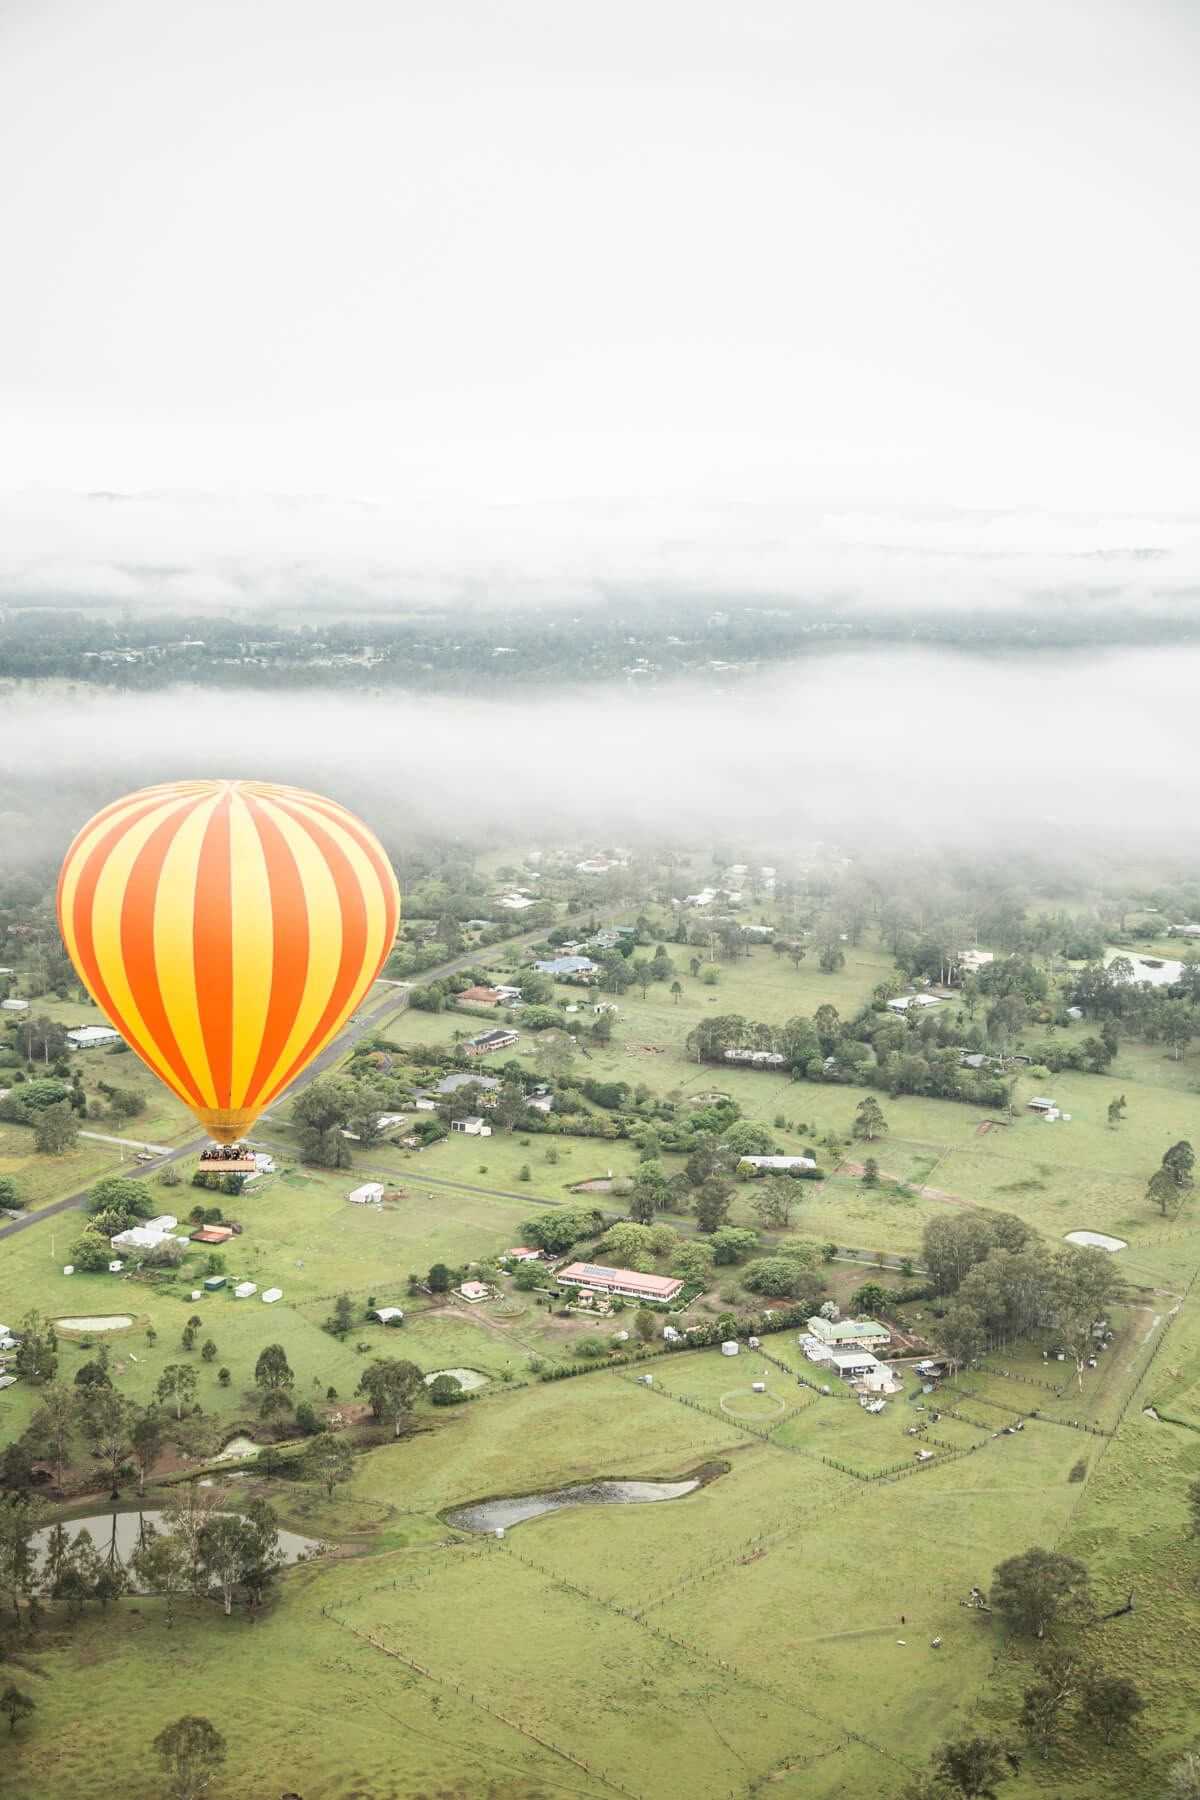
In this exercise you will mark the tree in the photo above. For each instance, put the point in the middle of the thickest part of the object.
(147, 1433)
(961, 1335)
(555, 1052)
(1179, 1161)
(676, 991)
(972, 1766)
(208, 1350)
(713, 1200)
(20, 1517)
(1043, 1700)
(1116, 1111)
(37, 1352)
(645, 1325)
(392, 1385)
(438, 1279)
(57, 1129)
(10, 1194)
(188, 1515)
(773, 1200)
(191, 1752)
(869, 1121)
(272, 1370)
(631, 1245)
(870, 1300)
(106, 1425)
(693, 1261)
(275, 1403)
(15, 1705)
(1083, 1285)
(328, 1460)
(1176, 1027)
(120, 1194)
(177, 1382)
(1110, 1703)
(226, 1547)
(1161, 1190)
(323, 1111)
(52, 1426)
(343, 1315)
(1033, 1590)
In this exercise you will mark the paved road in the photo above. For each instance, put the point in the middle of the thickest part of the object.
(374, 1010)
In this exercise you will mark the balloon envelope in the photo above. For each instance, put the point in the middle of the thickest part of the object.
(228, 929)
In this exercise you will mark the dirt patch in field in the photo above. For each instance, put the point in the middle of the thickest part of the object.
(926, 1193)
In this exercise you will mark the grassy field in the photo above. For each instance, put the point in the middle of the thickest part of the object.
(772, 1631)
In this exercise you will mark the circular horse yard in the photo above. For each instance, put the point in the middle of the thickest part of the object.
(744, 1403)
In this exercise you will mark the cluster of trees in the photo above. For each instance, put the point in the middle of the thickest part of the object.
(1034, 1593)
(1003, 1282)
(1172, 1174)
(203, 1548)
(920, 1054)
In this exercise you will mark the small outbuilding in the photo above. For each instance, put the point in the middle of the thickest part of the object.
(244, 1289)
(729, 1348)
(369, 1194)
(386, 1315)
(271, 1296)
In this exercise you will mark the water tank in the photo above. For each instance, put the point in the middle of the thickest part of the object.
(499, 1531)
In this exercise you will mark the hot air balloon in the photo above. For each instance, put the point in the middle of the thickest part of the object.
(228, 929)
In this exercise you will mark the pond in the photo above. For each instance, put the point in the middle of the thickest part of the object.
(119, 1532)
(238, 1449)
(466, 1378)
(489, 1515)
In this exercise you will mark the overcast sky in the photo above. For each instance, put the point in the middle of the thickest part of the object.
(892, 251)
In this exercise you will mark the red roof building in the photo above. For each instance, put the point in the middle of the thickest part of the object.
(626, 1282)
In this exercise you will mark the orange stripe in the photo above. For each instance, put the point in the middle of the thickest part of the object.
(212, 947)
(290, 946)
(137, 948)
(81, 919)
(353, 909)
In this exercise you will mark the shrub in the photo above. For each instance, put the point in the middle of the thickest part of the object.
(307, 1419)
(1079, 1471)
(446, 1390)
(589, 1346)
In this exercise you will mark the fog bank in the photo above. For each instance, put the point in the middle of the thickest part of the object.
(883, 752)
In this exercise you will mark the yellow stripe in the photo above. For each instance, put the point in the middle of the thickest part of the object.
(174, 912)
(106, 930)
(324, 939)
(252, 941)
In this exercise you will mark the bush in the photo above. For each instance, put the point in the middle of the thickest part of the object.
(306, 1418)
(589, 1346)
(1079, 1471)
(446, 1390)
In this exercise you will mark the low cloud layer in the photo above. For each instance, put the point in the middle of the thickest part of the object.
(283, 557)
(885, 754)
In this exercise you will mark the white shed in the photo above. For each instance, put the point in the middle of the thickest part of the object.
(244, 1289)
(729, 1348)
(272, 1295)
(367, 1194)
